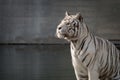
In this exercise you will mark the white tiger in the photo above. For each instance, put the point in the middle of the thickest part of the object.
(93, 58)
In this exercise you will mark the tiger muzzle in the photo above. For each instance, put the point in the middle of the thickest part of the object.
(62, 31)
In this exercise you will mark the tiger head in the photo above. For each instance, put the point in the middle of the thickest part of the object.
(69, 27)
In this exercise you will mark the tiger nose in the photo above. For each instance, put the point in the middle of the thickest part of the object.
(62, 29)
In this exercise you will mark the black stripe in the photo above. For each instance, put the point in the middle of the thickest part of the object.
(82, 45)
(89, 62)
(83, 76)
(84, 58)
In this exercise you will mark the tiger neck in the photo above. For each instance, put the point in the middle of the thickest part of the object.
(80, 41)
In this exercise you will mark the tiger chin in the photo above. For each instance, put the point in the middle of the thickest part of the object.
(93, 58)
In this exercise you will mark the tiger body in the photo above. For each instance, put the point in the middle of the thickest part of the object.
(98, 56)
(93, 58)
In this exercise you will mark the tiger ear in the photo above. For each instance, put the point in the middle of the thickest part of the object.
(79, 17)
(66, 13)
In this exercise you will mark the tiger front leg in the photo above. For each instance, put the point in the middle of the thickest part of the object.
(93, 75)
(80, 76)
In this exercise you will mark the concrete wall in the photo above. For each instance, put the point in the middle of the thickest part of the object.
(35, 21)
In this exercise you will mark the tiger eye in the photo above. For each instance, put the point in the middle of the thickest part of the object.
(74, 24)
(67, 23)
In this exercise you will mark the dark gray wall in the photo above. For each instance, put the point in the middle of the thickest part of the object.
(35, 21)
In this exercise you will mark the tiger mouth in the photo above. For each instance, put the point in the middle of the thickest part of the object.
(64, 35)
(61, 35)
